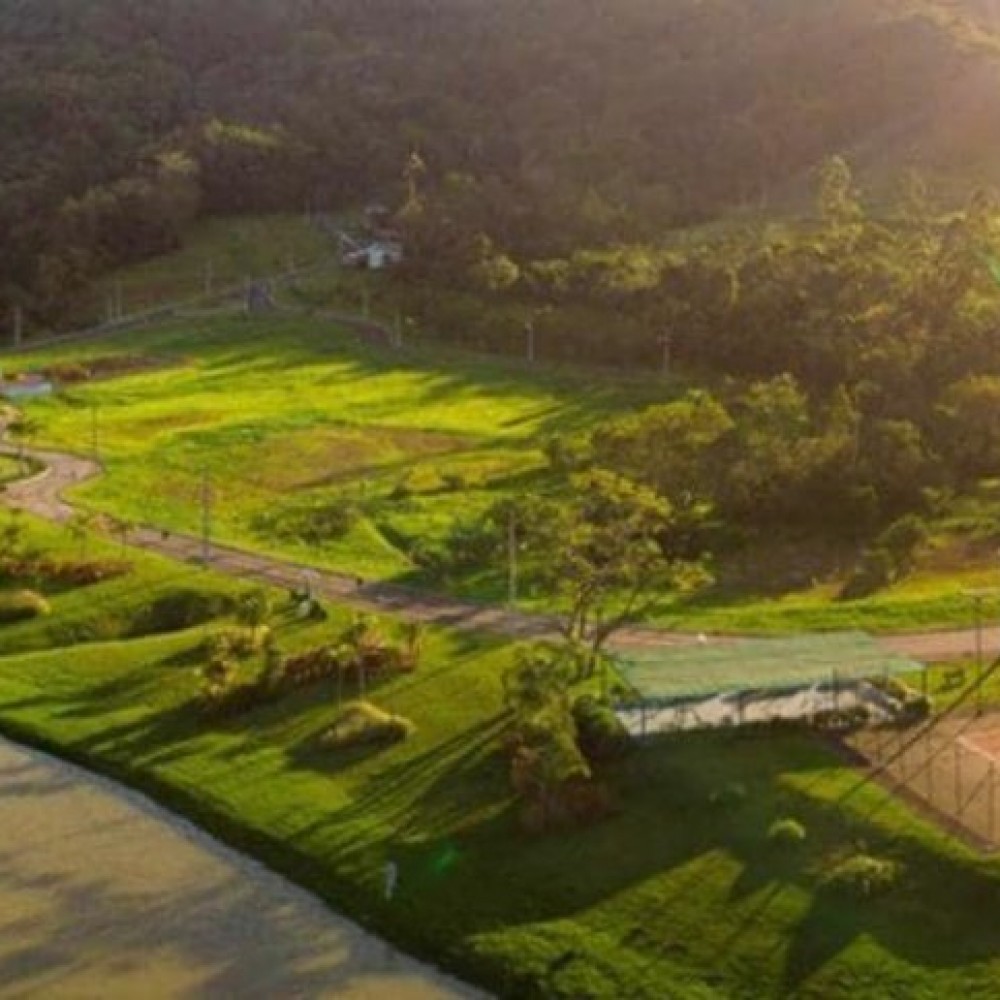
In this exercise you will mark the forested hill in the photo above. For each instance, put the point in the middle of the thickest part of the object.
(583, 120)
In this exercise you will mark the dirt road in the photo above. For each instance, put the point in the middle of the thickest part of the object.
(104, 895)
(43, 496)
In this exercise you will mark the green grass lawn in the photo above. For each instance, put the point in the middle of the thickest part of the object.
(282, 412)
(11, 469)
(218, 253)
(289, 414)
(286, 414)
(672, 896)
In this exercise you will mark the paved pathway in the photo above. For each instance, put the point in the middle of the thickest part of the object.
(43, 496)
(104, 895)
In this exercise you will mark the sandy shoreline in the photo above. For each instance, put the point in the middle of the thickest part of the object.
(104, 894)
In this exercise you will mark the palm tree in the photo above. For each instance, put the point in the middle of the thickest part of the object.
(25, 429)
(414, 637)
(79, 527)
(361, 639)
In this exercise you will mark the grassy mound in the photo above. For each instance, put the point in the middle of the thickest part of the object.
(22, 605)
(363, 724)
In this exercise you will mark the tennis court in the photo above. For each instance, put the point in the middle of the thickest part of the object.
(727, 683)
(951, 766)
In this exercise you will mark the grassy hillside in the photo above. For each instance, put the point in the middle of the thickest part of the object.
(671, 894)
(288, 416)
(284, 413)
(217, 254)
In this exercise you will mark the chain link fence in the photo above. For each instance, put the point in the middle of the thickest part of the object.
(950, 766)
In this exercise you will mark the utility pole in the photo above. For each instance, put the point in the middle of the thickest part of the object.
(206, 518)
(666, 343)
(977, 598)
(94, 452)
(18, 323)
(512, 559)
(978, 614)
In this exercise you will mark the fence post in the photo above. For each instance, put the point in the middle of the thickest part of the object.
(958, 779)
(928, 768)
(992, 804)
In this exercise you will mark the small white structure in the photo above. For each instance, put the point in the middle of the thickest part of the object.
(370, 254)
(25, 387)
(382, 254)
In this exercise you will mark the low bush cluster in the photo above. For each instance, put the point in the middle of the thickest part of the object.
(313, 523)
(361, 723)
(237, 643)
(862, 876)
(21, 605)
(890, 557)
(361, 654)
(601, 735)
(63, 572)
(786, 833)
(181, 608)
(311, 667)
(728, 797)
(421, 480)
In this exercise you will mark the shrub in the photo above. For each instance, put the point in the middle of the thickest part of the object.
(310, 667)
(874, 572)
(786, 833)
(253, 607)
(180, 609)
(238, 642)
(917, 707)
(568, 452)
(67, 372)
(890, 558)
(361, 723)
(85, 572)
(218, 679)
(420, 479)
(730, 796)
(901, 540)
(22, 605)
(862, 876)
(600, 733)
(315, 522)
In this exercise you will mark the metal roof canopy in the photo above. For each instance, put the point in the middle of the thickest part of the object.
(678, 672)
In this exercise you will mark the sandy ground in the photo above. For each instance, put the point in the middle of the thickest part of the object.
(103, 895)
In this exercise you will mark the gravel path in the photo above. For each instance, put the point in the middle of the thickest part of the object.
(104, 895)
(42, 495)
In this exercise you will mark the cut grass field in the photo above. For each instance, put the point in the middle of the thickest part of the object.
(290, 413)
(218, 254)
(671, 896)
(281, 412)
(286, 415)
(10, 469)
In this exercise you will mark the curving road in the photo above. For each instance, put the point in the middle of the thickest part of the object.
(43, 496)
(102, 894)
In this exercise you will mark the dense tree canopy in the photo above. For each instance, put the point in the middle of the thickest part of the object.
(546, 126)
